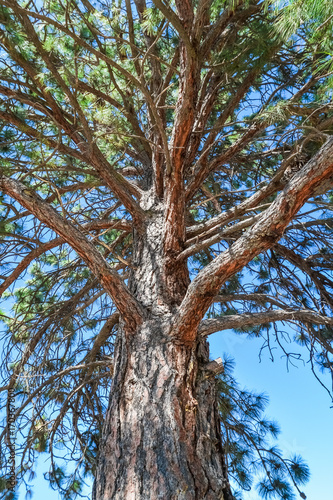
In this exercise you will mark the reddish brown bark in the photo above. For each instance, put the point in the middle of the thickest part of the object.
(161, 438)
(110, 279)
(161, 435)
(264, 234)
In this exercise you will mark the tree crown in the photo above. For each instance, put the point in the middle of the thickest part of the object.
(216, 115)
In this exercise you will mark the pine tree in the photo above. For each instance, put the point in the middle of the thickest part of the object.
(166, 173)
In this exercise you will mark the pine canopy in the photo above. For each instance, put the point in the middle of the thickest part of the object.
(222, 109)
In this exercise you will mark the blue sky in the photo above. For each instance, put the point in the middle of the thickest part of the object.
(297, 402)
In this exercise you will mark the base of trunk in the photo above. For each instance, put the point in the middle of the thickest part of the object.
(161, 438)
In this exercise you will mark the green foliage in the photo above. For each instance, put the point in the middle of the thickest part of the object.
(314, 19)
(79, 91)
(253, 460)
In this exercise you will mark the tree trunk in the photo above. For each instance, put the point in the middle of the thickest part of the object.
(161, 438)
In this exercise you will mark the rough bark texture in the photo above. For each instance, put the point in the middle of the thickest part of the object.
(161, 437)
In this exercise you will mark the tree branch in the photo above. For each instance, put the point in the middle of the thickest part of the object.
(138, 84)
(263, 235)
(236, 321)
(260, 298)
(209, 227)
(102, 336)
(89, 150)
(112, 283)
(306, 268)
(230, 14)
(176, 23)
(203, 168)
(195, 247)
(44, 247)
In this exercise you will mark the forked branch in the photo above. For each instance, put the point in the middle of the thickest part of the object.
(260, 237)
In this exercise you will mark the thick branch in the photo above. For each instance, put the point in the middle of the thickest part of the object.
(262, 236)
(45, 247)
(112, 283)
(235, 321)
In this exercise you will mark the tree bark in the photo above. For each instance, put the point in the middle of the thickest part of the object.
(161, 437)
